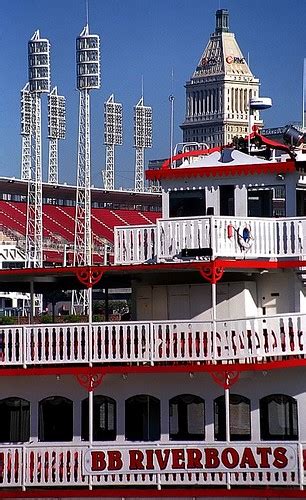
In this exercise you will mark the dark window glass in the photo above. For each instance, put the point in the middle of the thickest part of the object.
(278, 417)
(240, 418)
(15, 420)
(187, 203)
(55, 419)
(104, 419)
(142, 418)
(227, 200)
(187, 418)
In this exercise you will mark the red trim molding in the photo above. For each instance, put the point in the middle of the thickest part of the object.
(225, 171)
(151, 370)
(245, 492)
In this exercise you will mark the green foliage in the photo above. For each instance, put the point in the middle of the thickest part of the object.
(8, 320)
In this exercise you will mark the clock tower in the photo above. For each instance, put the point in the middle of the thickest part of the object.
(218, 93)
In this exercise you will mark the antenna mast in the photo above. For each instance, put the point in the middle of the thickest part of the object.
(88, 78)
(56, 131)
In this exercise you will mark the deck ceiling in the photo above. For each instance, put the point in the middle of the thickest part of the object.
(66, 278)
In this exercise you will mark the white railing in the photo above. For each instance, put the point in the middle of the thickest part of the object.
(135, 244)
(62, 465)
(221, 236)
(247, 339)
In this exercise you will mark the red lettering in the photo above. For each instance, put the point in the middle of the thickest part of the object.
(264, 461)
(248, 459)
(98, 460)
(114, 460)
(150, 463)
(230, 458)
(136, 460)
(194, 457)
(178, 459)
(280, 459)
(162, 460)
(211, 458)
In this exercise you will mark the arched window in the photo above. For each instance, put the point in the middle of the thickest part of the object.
(15, 420)
(186, 418)
(104, 419)
(142, 418)
(55, 419)
(278, 417)
(240, 418)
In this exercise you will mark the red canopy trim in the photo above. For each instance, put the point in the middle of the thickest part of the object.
(188, 154)
(224, 171)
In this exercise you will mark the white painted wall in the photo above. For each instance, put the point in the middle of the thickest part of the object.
(178, 302)
(211, 186)
(253, 385)
(283, 283)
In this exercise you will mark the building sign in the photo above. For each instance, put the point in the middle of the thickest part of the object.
(167, 459)
(235, 60)
(206, 62)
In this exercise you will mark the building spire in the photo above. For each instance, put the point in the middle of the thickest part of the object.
(222, 21)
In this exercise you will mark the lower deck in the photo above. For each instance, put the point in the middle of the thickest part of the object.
(156, 432)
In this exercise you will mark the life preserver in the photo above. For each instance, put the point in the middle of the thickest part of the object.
(245, 238)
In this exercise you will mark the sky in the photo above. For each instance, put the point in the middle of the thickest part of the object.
(142, 40)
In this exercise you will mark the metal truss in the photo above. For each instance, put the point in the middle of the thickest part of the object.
(108, 173)
(26, 157)
(139, 169)
(82, 239)
(53, 162)
(34, 240)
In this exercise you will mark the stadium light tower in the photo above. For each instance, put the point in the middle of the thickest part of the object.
(112, 138)
(26, 130)
(39, 82)
(142, 140)
(88, 78)
(56, 131)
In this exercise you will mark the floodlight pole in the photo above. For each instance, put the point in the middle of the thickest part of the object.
(113, 137)
(53, 161)
(39, 82)
(139, 168)
(26, 128)
(88, 78)
(56, 118)
(142, 140)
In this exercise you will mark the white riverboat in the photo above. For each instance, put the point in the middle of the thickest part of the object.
(201, 393)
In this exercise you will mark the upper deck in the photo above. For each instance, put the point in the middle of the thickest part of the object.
(223, 203)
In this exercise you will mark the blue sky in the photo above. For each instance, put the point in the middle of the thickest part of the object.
(143, 38)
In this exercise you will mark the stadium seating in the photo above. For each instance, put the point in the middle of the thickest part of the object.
(58, 224)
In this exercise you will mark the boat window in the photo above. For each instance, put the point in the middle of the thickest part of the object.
(187, 203)
(278, 417)
(227, 197)
(104, 419)
(186, 418)
(55, 419)
(15, 420)
(142, 418)
(240, 418)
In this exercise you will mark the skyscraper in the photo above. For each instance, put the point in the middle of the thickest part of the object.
(218, 93)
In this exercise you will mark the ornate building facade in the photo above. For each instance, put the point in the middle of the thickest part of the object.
(218, 93)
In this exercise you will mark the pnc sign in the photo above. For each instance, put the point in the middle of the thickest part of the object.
(168, 459)
(235, 60)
